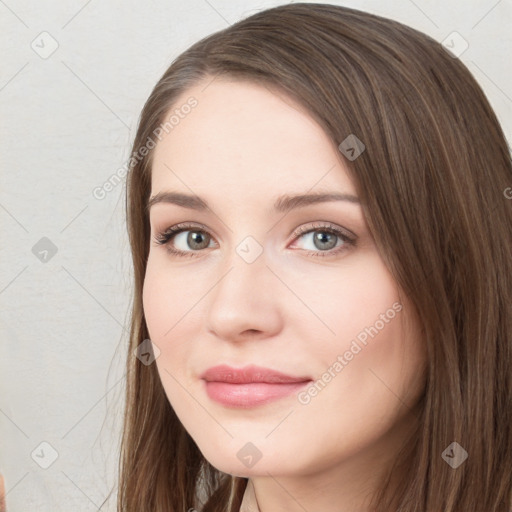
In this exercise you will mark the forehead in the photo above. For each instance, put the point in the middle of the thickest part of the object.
(244, 136)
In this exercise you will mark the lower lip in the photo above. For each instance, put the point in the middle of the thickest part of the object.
(252, 394)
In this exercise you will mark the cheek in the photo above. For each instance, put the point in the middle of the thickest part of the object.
(362, 389)
(374, 373)
(358, 300)
(169, 314)
(168, 295)
(376, 352)
(164, 312)
(155, 297)
(174, 317)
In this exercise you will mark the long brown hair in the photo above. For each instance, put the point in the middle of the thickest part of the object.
(433, 182)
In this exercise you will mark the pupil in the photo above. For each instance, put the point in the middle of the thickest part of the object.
(323, 238)
(194, 237)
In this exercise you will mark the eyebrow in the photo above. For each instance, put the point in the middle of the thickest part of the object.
(282, 204)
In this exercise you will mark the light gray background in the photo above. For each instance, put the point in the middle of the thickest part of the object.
(67, 122)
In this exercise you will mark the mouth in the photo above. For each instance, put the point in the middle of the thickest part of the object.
(249, 386)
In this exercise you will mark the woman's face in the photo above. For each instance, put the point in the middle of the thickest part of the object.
(292, 285)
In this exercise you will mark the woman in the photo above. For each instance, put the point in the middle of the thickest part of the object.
(320, 228)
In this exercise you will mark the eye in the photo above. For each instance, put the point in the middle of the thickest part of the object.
(324, 239)
(185, 235)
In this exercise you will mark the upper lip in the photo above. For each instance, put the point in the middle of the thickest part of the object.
(248, 374)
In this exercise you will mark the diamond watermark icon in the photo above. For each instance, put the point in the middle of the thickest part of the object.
(44, 250)
(454, 455)
(455, 44)
(44, 45)
(147, 352)
(44, 455)
(249, 455)
(352, 147)
(249, 249)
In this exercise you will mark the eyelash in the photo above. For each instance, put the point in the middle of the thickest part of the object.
(164, 237)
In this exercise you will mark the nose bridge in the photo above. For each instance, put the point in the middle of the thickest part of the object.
(245, 267)
(250, 250)
(250, 246)
(241, 299)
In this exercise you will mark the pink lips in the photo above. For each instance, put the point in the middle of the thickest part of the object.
(249, 386)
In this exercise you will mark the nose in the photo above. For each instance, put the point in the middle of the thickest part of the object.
(246, 301)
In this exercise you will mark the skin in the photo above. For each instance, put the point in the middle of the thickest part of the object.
(240, 148)
(2, 494)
